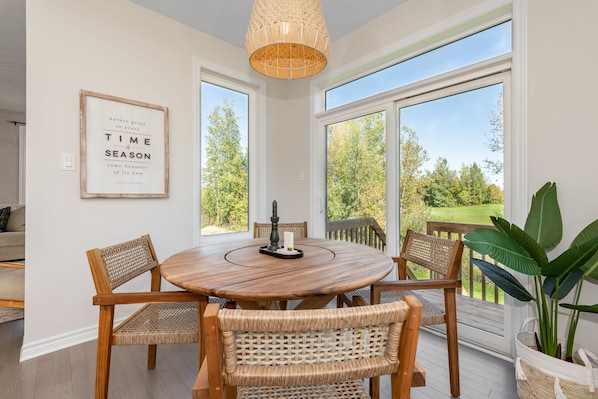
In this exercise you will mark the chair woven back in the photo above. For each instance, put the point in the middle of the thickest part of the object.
(262, 230)
(431, 252)
(309, 347)
(123, 262)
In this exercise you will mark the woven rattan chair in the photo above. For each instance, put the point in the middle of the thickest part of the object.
(165, 318)
(305, 354)
(262, 230)
(440, 256)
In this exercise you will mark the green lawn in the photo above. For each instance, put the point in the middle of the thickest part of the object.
(479, 214)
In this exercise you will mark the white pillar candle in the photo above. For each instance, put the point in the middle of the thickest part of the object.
(288, 240)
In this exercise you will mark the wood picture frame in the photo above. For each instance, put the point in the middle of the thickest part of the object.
(124, 147)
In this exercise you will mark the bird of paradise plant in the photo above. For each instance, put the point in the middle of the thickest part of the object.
(525, 251)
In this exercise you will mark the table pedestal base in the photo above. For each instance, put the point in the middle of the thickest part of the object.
(318, 302)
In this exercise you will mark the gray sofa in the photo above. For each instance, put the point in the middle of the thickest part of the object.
(12, 241)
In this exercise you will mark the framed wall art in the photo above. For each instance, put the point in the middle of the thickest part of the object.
(124, 147)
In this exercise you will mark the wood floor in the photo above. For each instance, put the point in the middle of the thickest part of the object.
(69, 373)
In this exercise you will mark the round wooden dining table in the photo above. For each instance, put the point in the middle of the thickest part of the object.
(238, 271)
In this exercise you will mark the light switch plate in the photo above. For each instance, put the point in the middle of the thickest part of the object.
(68, 161)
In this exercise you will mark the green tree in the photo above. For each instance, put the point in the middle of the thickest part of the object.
(495, 195)
(412, 210)
(356, 174)
(474, 183)
(441, 185)
(224, 197)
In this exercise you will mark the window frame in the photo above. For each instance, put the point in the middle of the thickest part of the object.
(256, 134)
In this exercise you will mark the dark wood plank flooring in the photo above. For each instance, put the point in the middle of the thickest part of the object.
(69, 373)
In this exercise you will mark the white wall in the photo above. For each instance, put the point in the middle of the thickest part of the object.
(118, 48)
(288, 150)
(562, 120)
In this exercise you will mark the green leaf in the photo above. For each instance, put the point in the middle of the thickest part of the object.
(572, 259)
(527, 242)
(590, 232)
(582, 308)
(501, 224)
(587, 234)
(566, 284)
(590, 268)
(504, 280)
(502, 249)
(544, 222)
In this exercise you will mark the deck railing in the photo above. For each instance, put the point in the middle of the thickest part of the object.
(468, 269)
(366, 231)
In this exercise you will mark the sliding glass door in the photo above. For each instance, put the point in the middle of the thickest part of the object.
(451, 174)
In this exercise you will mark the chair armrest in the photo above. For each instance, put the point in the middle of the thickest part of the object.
(120, 298)
(401, 285)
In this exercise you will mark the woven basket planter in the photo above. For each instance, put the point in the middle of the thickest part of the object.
(540, 376)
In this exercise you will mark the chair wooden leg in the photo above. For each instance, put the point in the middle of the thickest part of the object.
(452, 342)
(375, 387)
(151, 356)
(104, 351)
(201, 340)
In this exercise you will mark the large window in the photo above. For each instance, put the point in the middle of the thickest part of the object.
(447, 145)
(424, 141)
(229, 154)
(224, 160)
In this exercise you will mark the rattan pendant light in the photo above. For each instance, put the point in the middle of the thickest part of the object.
(287, 39)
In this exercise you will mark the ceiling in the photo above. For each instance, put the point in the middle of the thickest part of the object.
(225, 19)
(228, 19)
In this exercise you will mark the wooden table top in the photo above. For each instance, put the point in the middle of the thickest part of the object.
(238, 271)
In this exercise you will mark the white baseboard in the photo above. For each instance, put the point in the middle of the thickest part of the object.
(58, 342)
(53, 344)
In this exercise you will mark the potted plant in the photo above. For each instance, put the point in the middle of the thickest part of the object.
(525, 251)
